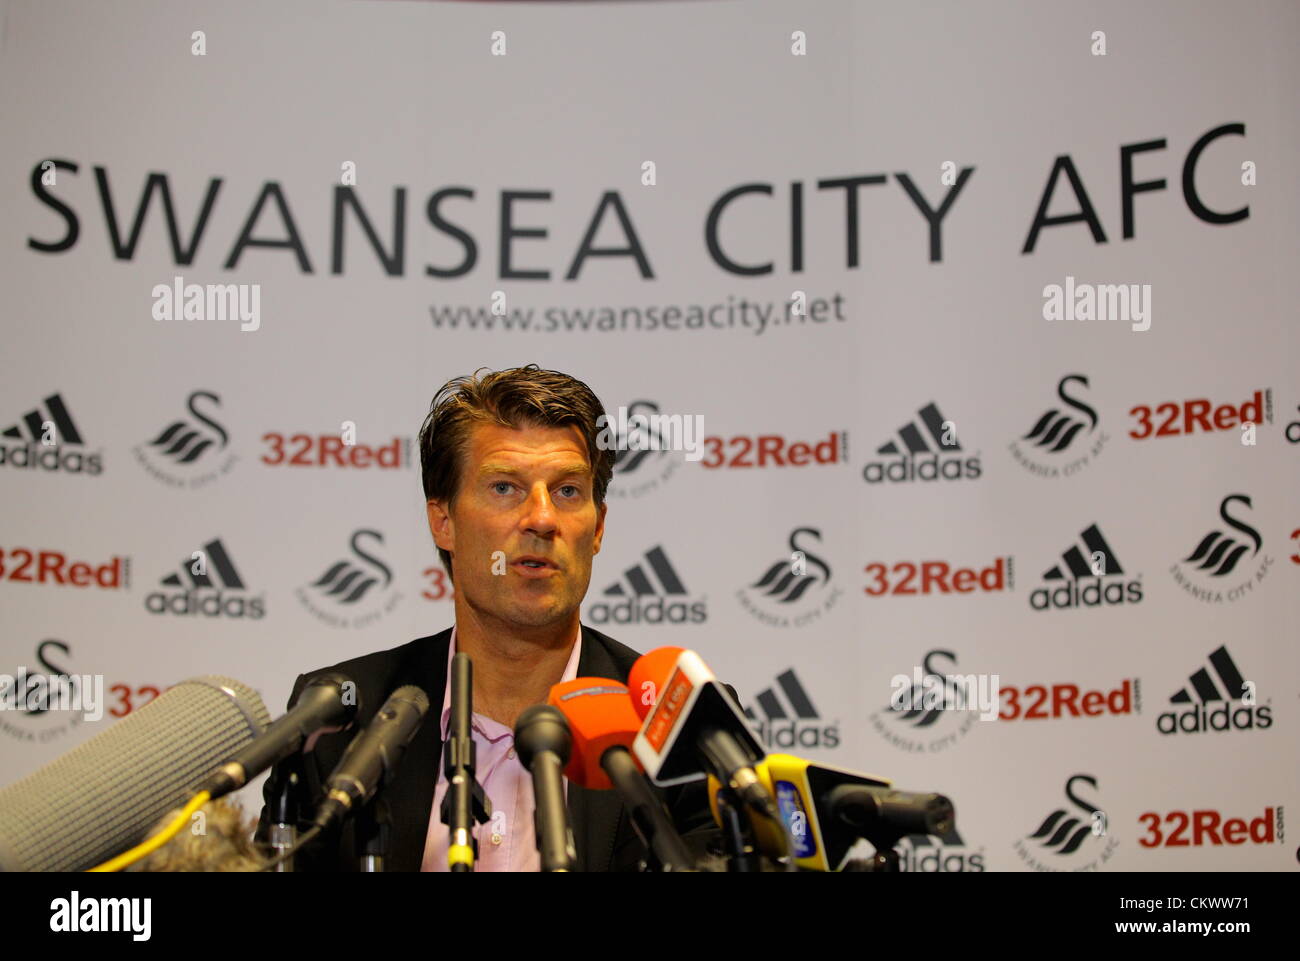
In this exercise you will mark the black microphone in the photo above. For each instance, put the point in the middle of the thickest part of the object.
(328, 703)
(868, 809)
(465, 802)
(543, 741)
(646, 812)
(373, 756)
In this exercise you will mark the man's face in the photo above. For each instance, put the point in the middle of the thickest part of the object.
(528, 494)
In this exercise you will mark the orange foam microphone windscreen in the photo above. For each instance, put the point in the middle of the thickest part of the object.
(649, 675)
(600, 716)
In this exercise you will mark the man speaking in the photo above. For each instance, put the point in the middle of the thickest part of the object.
(514, 482)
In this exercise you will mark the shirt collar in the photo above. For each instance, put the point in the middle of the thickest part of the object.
(477, 721)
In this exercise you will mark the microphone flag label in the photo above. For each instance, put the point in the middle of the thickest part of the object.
(790, 805)
(668, 710)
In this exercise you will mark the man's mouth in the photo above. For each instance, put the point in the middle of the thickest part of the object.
(535, 566)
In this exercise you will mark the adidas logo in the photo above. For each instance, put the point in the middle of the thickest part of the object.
(638, 581)
(942, 434)
(1100, 562)
(1210, 705)
(787, 719)
(1203, 686)
(1086, 578)
(203, 586)
(59, 428)
(919, 447)
(635, 598)
(926, 854)
(45, 442)
(194, 573)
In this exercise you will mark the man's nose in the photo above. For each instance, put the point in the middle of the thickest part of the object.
(539, 511)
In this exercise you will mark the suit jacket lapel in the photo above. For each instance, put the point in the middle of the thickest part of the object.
(595, 814)
(410, 796)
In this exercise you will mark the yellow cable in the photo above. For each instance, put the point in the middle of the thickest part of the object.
(158, 840)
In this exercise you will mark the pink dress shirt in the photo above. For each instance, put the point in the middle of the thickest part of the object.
(507, 842)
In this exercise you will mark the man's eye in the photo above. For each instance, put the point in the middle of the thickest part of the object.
(572, 488)
(499, 484)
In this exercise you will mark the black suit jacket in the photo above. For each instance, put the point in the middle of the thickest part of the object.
(603, 835)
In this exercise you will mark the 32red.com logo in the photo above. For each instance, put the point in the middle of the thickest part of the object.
(1184, 829)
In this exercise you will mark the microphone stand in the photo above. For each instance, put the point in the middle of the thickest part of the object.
(465, 802)
(282, 834)
(741, 856)
(885, 859)
(374, 827)
(665, 849)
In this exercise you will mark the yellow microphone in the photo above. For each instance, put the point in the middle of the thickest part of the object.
(802, 790)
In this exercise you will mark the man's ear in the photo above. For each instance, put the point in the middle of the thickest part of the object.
(440, 525)
(600, 528)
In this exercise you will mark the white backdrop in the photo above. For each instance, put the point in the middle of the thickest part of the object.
(567, 106)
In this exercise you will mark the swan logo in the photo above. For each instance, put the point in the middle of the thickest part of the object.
(1227, 563)
(35, 719)
(353, 592)
(1070, 834)
(794, 590)
(921, 724)
(1063, 440)
(190, 451)
(640, 445)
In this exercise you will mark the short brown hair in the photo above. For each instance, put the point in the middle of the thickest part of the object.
(517, 398)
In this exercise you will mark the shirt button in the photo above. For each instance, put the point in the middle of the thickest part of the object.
(496, 839)
(510, 753)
